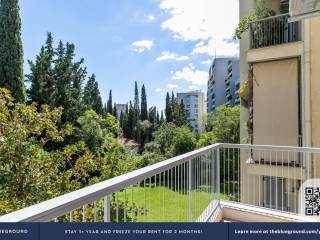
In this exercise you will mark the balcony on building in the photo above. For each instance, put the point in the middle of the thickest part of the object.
(274, 38)
(275, 30)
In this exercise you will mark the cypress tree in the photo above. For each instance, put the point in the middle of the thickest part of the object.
(11, 50)
(144, 105)
(168, 109)
(131, 123)
(114, 111)
(161, 117)
(91, 97)
(109, 103)
(136, 102)
(158, 118)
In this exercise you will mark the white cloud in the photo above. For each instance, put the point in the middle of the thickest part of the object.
(203, 21)
(151, 18)
(206, 62)
(143, 45)
(193, 87)
(166, 55)
(172, 86)
(158, 90)
(191, 74)
(218, 47)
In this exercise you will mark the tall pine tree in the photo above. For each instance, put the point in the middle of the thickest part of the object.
(136, 102)
(109, 103)
(91, 97)
(41, 76)
(11, 50)
(114, 110)
(144, 105)
(168, 109)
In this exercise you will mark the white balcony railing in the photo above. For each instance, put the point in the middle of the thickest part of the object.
(188, 187)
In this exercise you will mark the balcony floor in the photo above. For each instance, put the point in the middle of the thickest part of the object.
(238, 212)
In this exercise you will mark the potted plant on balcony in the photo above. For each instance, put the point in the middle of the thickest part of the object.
(260, 11)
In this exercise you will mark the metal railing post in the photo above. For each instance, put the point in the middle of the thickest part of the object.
(190, 190)
(106, 209)
(218, 174)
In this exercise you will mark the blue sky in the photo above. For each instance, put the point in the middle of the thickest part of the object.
(165, 44)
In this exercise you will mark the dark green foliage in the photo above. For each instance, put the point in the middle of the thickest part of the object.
(11, 50)
(144, 105)
(136, 102)
(175, 112)
(109, 103)
(41, 77)
(168, 110)
(173, 140)
(114, 110)
(91, 96)
(56, 79)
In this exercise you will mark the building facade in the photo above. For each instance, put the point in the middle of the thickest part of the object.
(194, 103)
(281, 71)
(223, 83)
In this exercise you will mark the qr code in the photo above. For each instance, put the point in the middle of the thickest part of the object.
(312, 201)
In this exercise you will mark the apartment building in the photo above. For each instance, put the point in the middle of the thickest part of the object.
(223, 83)
(280, 97)
(194, 103)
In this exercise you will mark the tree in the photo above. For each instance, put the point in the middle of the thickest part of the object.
(174, 140)
(207, 139)
(68, 77)
(260, 11)
(92, 97)
(130, 121)
(180, 116)
(144, 105)
(161, 117)
(226, 124)
(223, 127)
(41, 76)
(11, 50)
(168, 109)
(184, 141)
(136, 102)
(109, 103)
(114, 110)
(29, 171)
(143, 130)
(94, 131)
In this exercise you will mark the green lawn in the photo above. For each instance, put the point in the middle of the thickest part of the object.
(164, 205)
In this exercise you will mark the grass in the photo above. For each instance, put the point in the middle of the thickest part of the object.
(164, 205)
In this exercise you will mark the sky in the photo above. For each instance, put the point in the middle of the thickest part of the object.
(167, 45)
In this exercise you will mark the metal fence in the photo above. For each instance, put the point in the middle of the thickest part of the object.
(181, 189)
(273, 31)
(266, 176)
(187, 188)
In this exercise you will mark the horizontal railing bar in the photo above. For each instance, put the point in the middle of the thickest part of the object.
(270, 18)
(272, 148)
(58, 206)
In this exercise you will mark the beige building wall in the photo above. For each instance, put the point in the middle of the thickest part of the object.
(245, 6)
(249, 180)
(315, 80)
(315, 90)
